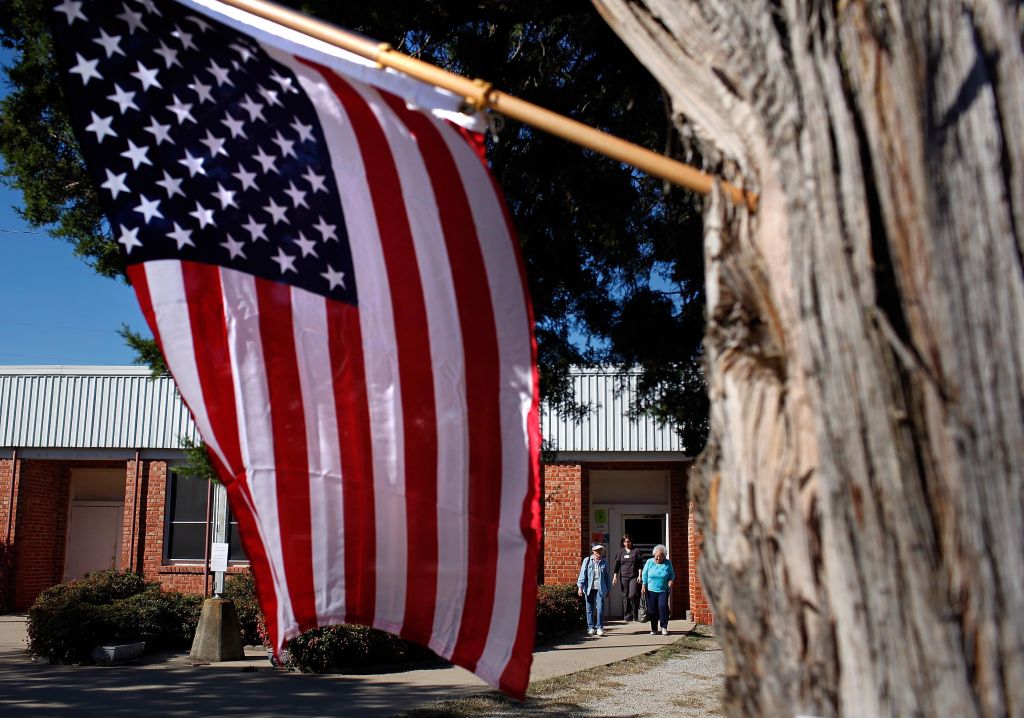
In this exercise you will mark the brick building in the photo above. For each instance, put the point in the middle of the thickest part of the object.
(88, 481)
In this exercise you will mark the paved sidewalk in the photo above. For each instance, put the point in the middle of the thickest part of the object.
(169, 685)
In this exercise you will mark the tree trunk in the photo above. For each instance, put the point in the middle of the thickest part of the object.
(863, 490)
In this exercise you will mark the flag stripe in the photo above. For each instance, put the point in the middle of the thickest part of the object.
(516, 676)
(346, 347)
(414, 365)
(518, 402)
(452, 395)
(288, 426)
(383, 390)
(172, 323)
(256, 432)
(475, 317)
(316, 384)
(201, 284)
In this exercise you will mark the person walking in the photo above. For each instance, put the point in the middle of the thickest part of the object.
(656, 579)
(626, 572)
(593, 585)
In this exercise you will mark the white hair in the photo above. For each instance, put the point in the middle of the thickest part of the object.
(660, 547)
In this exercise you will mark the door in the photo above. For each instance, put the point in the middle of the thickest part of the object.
(646, 530)
(94, 536)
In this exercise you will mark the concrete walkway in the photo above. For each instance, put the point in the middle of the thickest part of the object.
(169, 685)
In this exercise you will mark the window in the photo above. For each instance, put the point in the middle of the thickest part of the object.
(236, 552)
(186, 522)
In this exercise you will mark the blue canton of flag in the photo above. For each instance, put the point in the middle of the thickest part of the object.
(203, 146)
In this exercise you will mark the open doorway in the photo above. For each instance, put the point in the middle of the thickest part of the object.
(95, 520)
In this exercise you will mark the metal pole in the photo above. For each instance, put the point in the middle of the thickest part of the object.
(206, 540)
(481, 95)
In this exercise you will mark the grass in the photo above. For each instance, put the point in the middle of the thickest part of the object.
(548, 697)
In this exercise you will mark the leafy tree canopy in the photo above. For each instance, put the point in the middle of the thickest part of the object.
(613, 256)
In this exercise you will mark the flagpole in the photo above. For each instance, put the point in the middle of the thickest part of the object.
(481, 95)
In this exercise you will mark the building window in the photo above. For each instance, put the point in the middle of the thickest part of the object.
(186, 518)
(236, 552)
(186, 521)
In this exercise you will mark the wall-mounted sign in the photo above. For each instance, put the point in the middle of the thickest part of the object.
(218, 556)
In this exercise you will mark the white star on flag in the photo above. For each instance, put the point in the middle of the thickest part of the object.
(124, 100)
(86, 69)
(183, 237)
(203, 216)
(334, 278)
(307, 246)
(115, 183)
(137, 154)
(110, 43)
(101, 126)
(72, 11)
(149, 208)
(129, 239)
(234, 247)
(287, 262)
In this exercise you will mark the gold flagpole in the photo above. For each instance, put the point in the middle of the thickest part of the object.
(481, 95)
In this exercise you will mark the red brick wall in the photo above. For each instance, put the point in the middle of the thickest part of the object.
(698, 603)
(40, 530)
(566, 520)
(189, 577)
(678, 538)
(564, 514)
(8, 507)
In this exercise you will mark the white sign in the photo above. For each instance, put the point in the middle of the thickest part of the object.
(219, 556)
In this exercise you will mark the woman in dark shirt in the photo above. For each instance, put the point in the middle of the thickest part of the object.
(627, 574)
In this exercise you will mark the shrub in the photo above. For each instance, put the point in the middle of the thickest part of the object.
(69, 619)
(241, 589)
(559, 610)
(350, 647)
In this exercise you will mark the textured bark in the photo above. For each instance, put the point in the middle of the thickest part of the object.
(861, 497)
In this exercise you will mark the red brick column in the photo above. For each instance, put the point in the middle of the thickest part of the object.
(8, 518)
(130, 529)
(698, 603)
(40, 530)
(564, 507)
(678, 538)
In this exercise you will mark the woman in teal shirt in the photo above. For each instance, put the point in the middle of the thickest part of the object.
(657, 578)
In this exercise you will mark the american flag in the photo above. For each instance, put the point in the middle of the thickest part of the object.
(333, 279)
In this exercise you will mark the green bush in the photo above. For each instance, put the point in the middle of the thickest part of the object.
(68, 620)
(241, 589)
(559, 610)
(349, 647)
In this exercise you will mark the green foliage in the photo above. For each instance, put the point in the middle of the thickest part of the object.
(68, 620)
(613, 257)
(559, 610)
(147, 352)
(349, 648)
(197, 462)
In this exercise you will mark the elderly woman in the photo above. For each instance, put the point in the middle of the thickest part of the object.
(593, 585)
(656, 579)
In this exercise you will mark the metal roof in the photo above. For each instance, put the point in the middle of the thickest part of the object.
(607, 426)
(90, 407)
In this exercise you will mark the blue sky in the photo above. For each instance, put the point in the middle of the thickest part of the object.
(53, 308)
